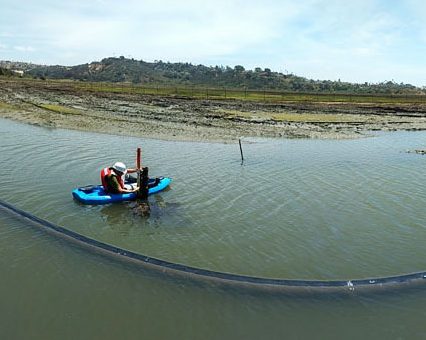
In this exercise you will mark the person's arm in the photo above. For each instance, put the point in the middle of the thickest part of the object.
(123, 190)
(115, 185)
(135, 170)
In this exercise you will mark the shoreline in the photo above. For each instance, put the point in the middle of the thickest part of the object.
(186, 119)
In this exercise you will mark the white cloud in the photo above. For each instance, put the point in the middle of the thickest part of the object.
(167, 30)
(24, 48)
(358, 41)
(417, 10)
(6, 35)
(320, 39)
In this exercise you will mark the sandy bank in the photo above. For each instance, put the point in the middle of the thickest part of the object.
(195, 119)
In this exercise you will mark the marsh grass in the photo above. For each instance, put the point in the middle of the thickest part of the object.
(334, 118)
(60, 109)
(222, 93)
(251, 95)
(317, 118)
(7, 106)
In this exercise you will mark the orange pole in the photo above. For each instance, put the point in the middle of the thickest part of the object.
(138, 158)
(138, 166)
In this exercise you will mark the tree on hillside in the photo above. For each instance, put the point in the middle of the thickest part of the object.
(239, 69)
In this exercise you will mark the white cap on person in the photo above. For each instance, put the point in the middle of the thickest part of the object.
(121, 167)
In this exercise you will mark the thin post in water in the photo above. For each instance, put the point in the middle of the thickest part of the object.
(241, 151)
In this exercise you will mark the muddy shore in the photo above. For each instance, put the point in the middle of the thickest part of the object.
(180, 118)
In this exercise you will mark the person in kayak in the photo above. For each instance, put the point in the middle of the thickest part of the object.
(113, 179)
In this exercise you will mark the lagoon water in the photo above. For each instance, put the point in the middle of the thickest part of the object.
(296, 209)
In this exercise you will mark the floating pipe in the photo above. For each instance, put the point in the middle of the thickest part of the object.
(221, 278)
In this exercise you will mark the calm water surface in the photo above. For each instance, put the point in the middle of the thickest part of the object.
(301, 209)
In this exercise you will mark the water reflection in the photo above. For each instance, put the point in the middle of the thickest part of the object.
(141, 208)
(149, 213)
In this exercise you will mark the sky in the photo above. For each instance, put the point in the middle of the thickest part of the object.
(356, 41)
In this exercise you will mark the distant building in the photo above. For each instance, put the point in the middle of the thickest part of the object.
(19, 72)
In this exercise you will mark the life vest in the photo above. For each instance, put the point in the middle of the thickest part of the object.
(106, 172)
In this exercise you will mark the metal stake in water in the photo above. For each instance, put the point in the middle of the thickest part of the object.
(241, 151)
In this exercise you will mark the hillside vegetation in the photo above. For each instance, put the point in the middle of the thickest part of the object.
(6, 72)
(185, 74)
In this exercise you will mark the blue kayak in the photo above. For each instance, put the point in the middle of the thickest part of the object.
(95, 194)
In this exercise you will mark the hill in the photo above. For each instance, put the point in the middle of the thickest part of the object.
(165, 73)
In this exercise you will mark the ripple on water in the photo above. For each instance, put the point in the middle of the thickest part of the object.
(295, 208)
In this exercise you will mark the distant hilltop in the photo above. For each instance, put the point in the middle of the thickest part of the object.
(122, 69)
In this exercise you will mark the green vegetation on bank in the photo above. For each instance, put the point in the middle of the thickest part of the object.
(208, 93)
(7, 106)
(250, 95)
(194, 92)
(59, 109)
(297, 117)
